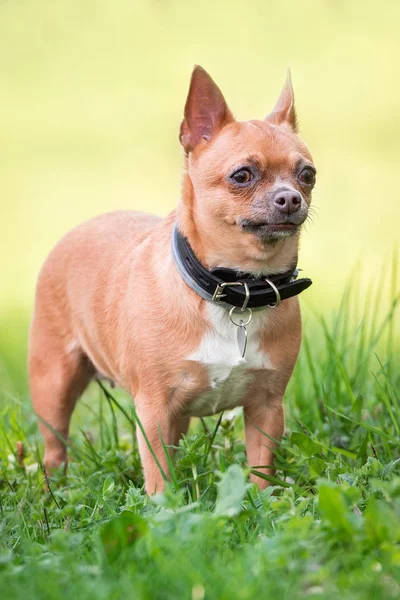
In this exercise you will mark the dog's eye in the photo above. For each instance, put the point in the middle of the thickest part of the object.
(307, 176)
(242, 176)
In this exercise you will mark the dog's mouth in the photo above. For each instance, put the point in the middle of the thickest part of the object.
(265, 229)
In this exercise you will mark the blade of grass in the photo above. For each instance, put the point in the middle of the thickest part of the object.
(214, 433)
(378, 432)
(339, 361)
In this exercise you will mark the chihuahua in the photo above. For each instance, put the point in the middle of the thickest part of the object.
(194, 313)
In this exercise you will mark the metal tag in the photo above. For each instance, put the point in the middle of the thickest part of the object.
(242, 338)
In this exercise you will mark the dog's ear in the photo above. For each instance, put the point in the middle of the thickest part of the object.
(284, 111)
(205, 111)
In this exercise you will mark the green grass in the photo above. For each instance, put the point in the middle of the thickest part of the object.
(327, 528)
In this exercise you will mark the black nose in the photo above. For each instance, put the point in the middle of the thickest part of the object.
(287, 201)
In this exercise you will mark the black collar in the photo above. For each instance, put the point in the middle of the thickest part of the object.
(233, 288)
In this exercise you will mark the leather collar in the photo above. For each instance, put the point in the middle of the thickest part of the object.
(228, 287)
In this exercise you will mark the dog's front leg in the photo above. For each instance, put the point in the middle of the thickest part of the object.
(264, 423)
(157, 425)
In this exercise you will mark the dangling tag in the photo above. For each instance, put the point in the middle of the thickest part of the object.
(242, 338)
(241, 335)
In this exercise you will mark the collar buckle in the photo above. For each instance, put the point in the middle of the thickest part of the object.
(218, 295)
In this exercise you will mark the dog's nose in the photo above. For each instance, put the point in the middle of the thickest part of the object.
(287, 201)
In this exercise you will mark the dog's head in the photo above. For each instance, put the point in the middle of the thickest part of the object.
(247, 185)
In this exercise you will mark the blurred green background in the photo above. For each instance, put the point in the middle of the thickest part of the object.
(92, 95)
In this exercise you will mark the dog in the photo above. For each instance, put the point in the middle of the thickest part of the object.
(194, 313)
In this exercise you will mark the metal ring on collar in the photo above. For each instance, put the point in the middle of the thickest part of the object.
(277, 294)
(242, 323)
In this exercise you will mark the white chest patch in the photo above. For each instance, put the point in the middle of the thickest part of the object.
(229, 374)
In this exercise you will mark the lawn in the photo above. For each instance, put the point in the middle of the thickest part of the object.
(327, 527)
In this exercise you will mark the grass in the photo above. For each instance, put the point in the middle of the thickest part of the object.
(328, 527)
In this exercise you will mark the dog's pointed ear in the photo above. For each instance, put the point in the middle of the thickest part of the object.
(205, 111)
(284, 111)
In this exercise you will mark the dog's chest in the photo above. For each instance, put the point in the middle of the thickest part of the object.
(229, 375)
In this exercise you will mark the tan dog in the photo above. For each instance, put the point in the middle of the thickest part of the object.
(194, 313)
